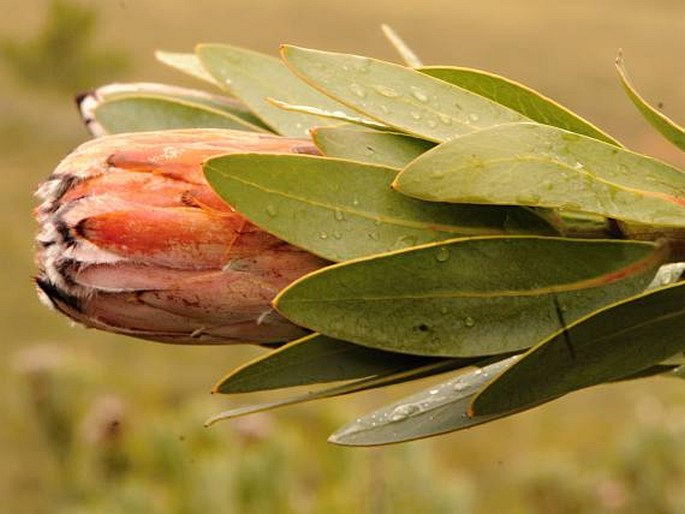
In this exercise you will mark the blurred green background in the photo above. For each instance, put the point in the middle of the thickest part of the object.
(98, 423)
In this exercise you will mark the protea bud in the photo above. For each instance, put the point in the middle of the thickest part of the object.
(134, 241)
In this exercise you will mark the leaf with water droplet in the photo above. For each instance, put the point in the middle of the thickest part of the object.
(563, 170)
(317, 196)
(441, 408)
(383, 379)
(254, 76)
(620, 340)
(503, 294)
(518, 97)
(396, 94)
(389, 149)
(668, 128)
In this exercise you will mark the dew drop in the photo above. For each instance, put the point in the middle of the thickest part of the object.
(323, 235)
(444, 310)
(474, 117)
(402, 412)
(459, 386)
(337, 235)
(338, 215)
(434, 391)
(357, 90)
(271, 210)
(443, 254)
(415, 115)
(419, 94)
(469, 322)
(445, 118)
(355, 202)
(386, 91)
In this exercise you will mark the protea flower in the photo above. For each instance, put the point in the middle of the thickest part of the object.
(134, 241)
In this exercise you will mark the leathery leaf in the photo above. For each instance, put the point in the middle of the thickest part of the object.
(617, 341)
(341, 209)
(544, 166)
(471, 296)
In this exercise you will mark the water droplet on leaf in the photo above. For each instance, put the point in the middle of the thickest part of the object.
(469, 322)
(443, 254)
(386, 91)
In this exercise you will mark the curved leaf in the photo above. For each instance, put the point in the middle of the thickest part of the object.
(315, 359)
(137, 113)
(668, 128)
(519, 98)
(253, 77)
(439, 409)
(469, 297)
(342, 209)
(383, 148)
(619, 340)
(397, 96)
(543, 166)
(355, 386)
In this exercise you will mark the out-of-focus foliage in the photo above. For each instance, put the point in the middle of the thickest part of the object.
(61, 56)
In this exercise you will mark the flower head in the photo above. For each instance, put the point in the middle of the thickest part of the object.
(134, 241)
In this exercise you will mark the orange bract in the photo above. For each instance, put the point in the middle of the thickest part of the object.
(134, 241)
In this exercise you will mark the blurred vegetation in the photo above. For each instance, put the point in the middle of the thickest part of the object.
(60, 56)
(99, 423)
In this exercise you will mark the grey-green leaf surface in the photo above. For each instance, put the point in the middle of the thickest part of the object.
(383, 148)
(397, 96)
(519, 98)
(469, 297)
(434, 368)
(315, 359)
(619, 340)
(341, 210)
(253, 77)
(136, 113)
(439, 409)
(668, 128)
(544, 166)
(187, 63)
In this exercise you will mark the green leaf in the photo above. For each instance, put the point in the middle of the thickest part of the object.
(136, 113)
(187, 63)
(253, 77)
(397, 96)
(439, 409)
(543, 166)
(469, 297)
(315, 359)
(365, 384)
(519, 98)
(668, 128)
(619, 340)
(341, 209)
(406, 53)
(338, 117)
(383, 148)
